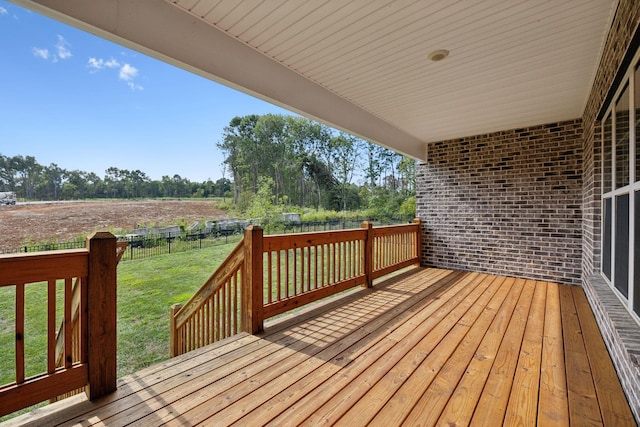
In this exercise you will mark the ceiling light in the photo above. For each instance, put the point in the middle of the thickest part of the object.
(438, 55)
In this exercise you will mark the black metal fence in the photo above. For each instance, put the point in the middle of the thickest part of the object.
(140, 246)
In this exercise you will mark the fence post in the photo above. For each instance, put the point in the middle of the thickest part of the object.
(253, 280)
(418, 240)
(101, 314)
(368, 254)
(173, 337)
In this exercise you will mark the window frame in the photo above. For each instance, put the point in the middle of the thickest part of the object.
(631, 188)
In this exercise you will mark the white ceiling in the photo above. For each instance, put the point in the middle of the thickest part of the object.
(362, 65)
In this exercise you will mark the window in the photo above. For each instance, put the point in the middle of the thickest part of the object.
(621, 192)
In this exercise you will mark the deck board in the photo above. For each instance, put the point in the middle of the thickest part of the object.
(427, 347)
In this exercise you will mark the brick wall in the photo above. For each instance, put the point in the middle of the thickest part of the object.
(507, 203)
(619, 330)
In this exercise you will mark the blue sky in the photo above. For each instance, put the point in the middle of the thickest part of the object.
(71, 98)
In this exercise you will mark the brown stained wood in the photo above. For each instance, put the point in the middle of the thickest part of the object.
(306, 363)
(436, 329)
(68, 324)
(427, 376)
(392, 230)
(38, 266)
(209, 378)
(435, 306)
(40, 388)
(580, 387)
(269, 272)
(283, 374)
(288, 304)
(227, 269)
(197, 363)
(462, 403)
(358, 346)
(83, 318)
(302, 240)
(522, 409)
(101, 307)
(434, 399)
(553, 405)
(240, 384)
(390, 269)
(493, 401)
(19, 333)
(51, 326)
(614, 407)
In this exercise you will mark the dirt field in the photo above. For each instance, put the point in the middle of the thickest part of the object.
(67, 220)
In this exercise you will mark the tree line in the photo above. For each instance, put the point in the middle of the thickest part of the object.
(32, 181)
(289, 160)
(271, 160)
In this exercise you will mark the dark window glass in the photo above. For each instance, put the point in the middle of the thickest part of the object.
(606, 243)
(621, 262)
(622, 139)
(637, 119)
(607, 152)
(636, 256)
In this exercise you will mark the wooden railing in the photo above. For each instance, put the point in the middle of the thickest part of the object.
(93, 366)
(302, 268)
(268, 275)
(63, 358)
(213, 312)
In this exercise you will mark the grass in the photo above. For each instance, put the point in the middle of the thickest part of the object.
(146, 290)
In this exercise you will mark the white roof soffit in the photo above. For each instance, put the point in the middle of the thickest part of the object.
(362, 65)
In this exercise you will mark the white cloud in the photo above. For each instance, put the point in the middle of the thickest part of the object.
(62, 48)
(41, 53)
(3, 11)
(61, 51)
(97, 64)
(112, 63)
(134, 86)
(128, 72)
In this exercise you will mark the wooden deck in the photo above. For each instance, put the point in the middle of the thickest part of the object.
(428, 347)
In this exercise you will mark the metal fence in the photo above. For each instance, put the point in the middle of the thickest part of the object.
(152, 245)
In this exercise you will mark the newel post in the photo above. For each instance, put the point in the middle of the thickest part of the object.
(253, 278)
(174, 343)
(368, 254)
(101, 314)
(419, 240)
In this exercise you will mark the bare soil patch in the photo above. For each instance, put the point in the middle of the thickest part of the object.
(63, 221)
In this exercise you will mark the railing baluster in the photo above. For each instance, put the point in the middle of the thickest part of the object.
(286, 266)
(51, 326)
(68, 323)
(20, 333)
(269, 296)
(307, 260)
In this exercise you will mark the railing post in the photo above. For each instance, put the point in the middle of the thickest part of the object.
(101, 314)
(418, 240)
(368, 254)
(253, 278)
(173, 340)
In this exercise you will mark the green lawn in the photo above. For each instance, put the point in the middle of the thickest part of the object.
(146, 290)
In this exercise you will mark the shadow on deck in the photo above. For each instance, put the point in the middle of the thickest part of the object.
(425, 347)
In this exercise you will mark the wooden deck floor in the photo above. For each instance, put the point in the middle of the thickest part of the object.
(429, 347)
